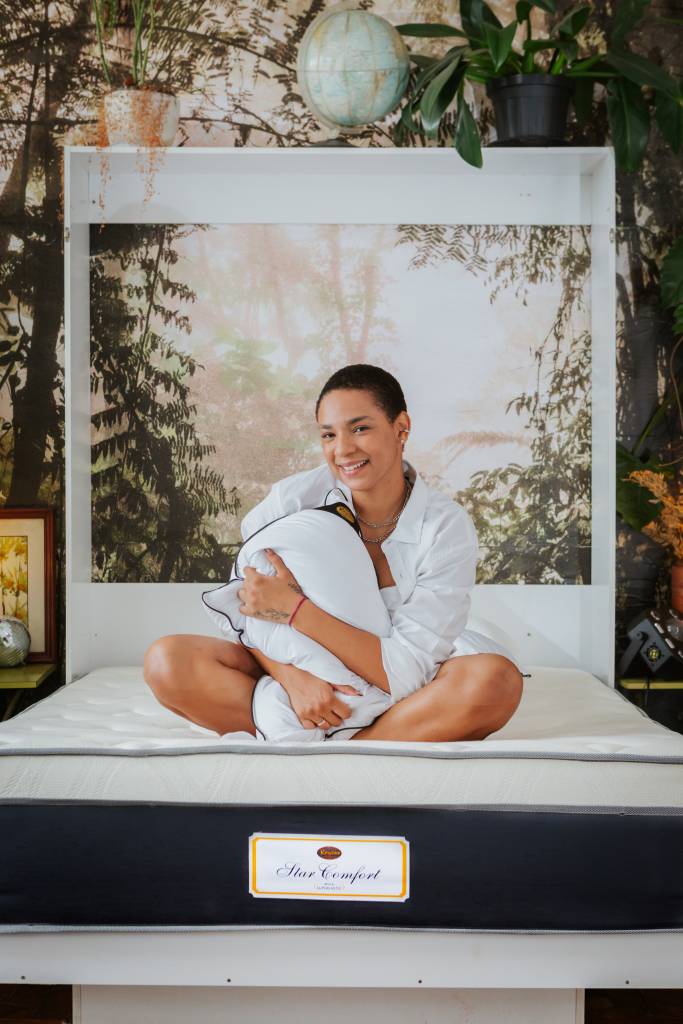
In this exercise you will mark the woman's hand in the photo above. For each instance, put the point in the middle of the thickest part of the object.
(313, 700)
(272, 598)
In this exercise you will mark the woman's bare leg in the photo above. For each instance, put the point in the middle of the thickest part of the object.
(204, 679)
(469, 698)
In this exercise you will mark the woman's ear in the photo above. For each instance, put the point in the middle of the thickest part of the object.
(404, 428)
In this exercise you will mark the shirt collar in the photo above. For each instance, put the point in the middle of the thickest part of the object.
(409, 527)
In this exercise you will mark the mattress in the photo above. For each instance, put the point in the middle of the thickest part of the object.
(118, 814)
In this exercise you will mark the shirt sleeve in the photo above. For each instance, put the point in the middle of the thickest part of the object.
(426, 626)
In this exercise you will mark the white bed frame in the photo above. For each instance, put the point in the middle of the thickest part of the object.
(206, 976)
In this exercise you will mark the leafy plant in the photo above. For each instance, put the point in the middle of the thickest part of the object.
(153, 494)
(533, 520)
(667, 526)
(143, 16)
(488, 51)
(634, 500)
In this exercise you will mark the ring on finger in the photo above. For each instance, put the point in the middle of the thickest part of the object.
(323, 723)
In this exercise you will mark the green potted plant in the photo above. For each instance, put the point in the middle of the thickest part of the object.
(531, 80)
(137, 112)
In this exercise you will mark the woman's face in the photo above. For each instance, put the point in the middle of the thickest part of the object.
(361, 445)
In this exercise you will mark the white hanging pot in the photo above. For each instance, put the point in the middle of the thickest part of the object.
(140, 117)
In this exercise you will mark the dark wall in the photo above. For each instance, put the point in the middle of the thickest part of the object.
(233, 64)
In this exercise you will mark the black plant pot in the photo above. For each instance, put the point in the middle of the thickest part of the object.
(530, 110)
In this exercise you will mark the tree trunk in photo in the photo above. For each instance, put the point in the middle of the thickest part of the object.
(35, 415)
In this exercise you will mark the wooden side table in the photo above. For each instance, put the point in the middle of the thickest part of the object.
(666, 707)
(23, 677)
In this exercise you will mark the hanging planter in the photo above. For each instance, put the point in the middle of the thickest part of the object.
(530, 110)
(140, 117)
(142, 112)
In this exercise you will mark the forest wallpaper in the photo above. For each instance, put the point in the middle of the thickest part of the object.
(233, 64)
(227, 342)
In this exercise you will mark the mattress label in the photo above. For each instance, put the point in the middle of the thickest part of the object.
(315, 867)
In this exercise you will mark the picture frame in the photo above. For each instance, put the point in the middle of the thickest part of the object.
(27, 576)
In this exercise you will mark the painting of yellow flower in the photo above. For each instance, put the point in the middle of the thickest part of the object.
(14, 577)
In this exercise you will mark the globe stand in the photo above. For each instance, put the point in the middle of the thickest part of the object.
(338, 142)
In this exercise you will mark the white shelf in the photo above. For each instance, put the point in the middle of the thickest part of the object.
(515, 186)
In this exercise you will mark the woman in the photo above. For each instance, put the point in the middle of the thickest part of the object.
(448, 683)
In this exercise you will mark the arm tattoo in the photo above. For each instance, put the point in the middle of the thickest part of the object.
(274, 615)
(296, 588)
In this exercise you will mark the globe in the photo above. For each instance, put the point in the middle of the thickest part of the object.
(352, 67)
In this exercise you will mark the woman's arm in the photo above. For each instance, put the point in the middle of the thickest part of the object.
(358, 650)
(274, 598)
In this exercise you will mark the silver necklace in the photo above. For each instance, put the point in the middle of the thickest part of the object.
(394, 519)
(378, 540)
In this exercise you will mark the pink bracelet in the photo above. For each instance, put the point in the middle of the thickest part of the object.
(301, 601)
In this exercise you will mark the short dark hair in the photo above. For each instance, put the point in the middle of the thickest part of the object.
(383, 387)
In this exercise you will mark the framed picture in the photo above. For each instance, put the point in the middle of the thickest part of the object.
(27, 575)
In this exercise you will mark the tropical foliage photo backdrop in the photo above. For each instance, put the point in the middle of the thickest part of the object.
(209, 345)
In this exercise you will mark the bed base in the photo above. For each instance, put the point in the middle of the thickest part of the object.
(111, 1005)
(478, 978)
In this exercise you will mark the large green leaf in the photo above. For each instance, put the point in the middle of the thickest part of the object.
(629, 122)
(573, 22)
(669, 115)
(642, 71)
(523, 8)
(627, 14)
(536, 45)
(430, 30)
(428, 73)
(569, 49)
(466, 139)
(671, 279)
(439, 94)
(422, 61)
(407, 119)
(499, 42)
(591, 66)
(635, 504)
(474, 14)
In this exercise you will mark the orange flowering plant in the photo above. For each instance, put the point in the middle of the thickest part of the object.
(667, 526)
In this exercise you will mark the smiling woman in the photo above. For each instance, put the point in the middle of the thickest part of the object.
(445, 682)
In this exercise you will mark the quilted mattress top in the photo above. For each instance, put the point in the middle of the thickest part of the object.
(573, 742)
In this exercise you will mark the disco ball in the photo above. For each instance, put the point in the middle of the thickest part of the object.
(15, 641)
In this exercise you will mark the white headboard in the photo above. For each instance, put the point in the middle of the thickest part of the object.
(113, 623)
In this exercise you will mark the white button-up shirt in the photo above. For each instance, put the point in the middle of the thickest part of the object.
(432, 554)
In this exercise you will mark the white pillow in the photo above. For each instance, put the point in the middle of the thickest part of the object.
(332, 567)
